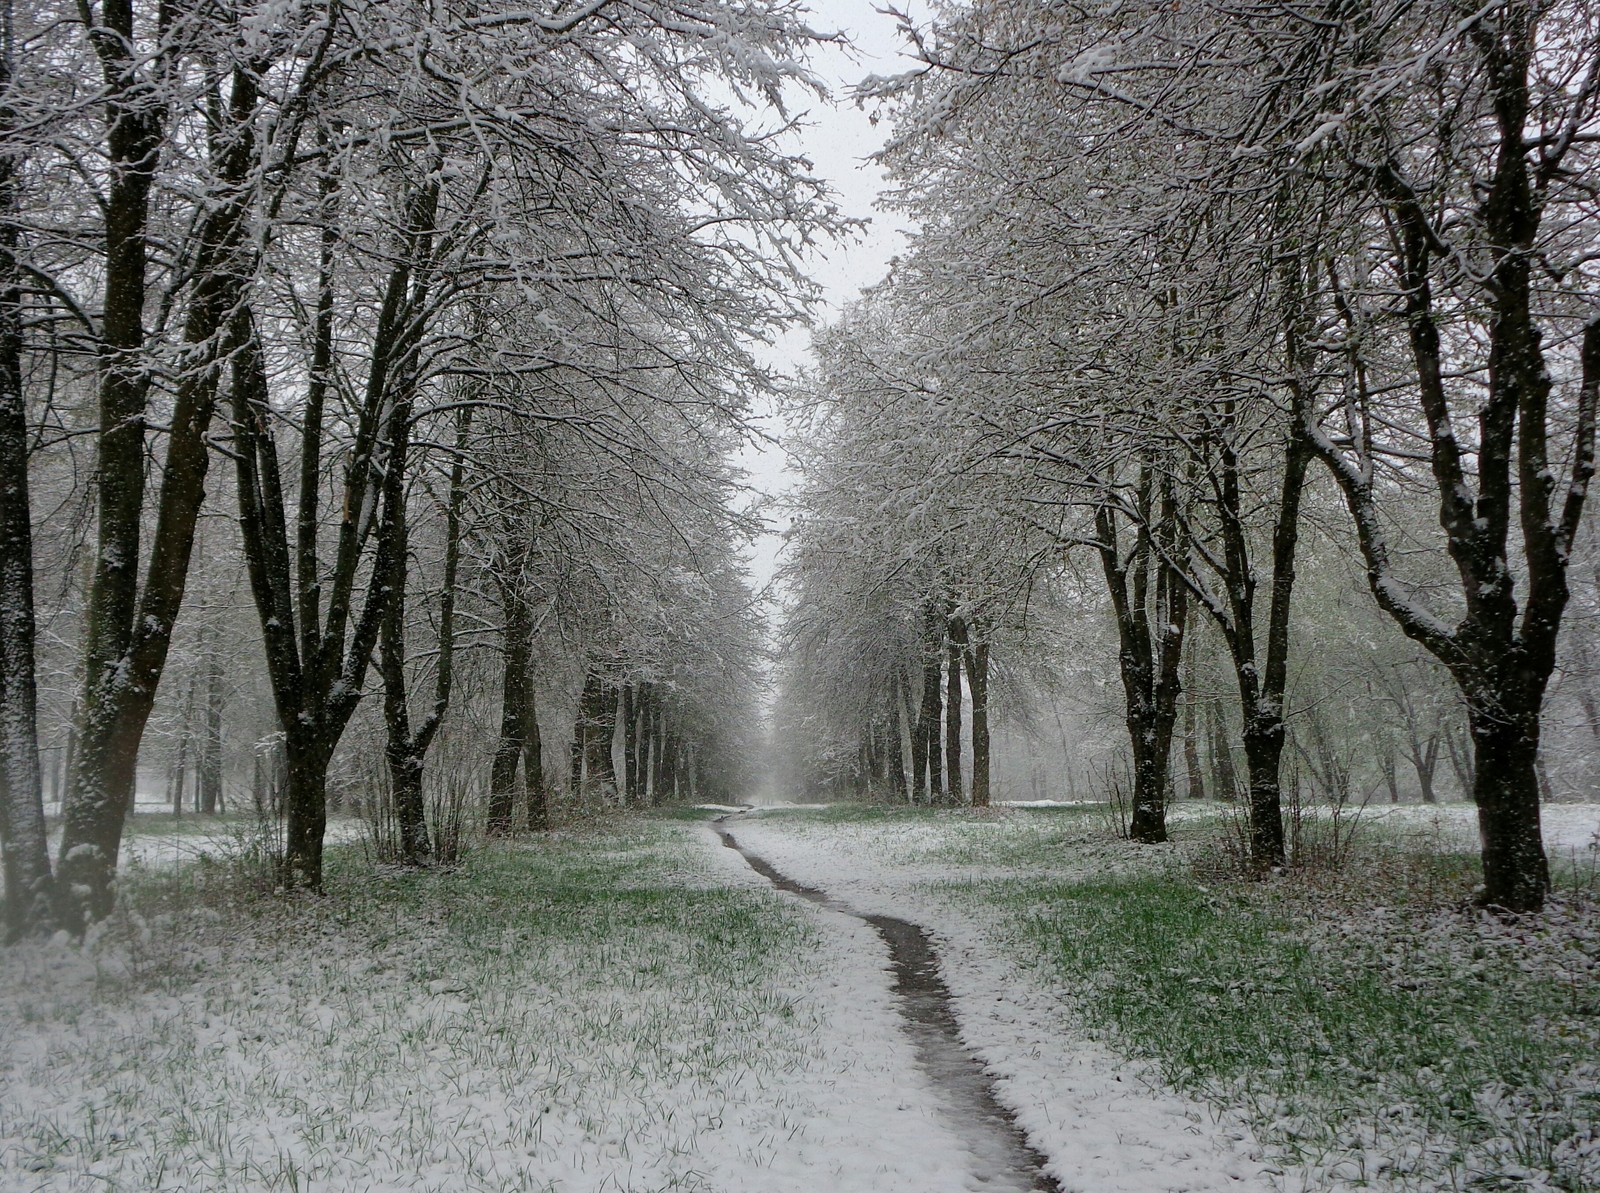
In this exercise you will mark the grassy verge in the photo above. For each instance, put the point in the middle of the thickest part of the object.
(1404, 1043)
(1377, 1031)
(579, 1010)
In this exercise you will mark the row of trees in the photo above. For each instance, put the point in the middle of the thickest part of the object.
(437, 321)
(1189, 283)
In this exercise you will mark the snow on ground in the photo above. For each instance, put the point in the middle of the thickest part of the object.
(161, 843)
(1566, 826)
(1106, 1126)
(648, 1042)
(651, 1043)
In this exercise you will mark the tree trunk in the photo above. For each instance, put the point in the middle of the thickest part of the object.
(919, 755)
(128, 627)
(211, 743)
(1390, 779)
(932, 704)
(307, 755)
(600, 770)
(1224, 776)
(896, 750)
(1191, 728)
(669, 767)
(29, 885)
(956, 637)
(626, 716)
(1516, 872)
(317, 657)
(1425, 761)
(533, 768)
(178, 776)
(977, 658)
(1150, 621)
(514, 702)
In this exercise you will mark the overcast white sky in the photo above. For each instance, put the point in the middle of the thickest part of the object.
(838, 141)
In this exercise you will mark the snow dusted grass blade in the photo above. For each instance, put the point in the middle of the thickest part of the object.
(1375, 1030)
(576, 1013)
(1410, 1047)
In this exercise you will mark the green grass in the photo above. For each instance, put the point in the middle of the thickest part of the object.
(1426, 1035)
(595, 994)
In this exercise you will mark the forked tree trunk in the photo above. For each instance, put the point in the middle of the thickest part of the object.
(1150, 605)
(128, 629)
(317, 657)
(1391, 780)
(407, 751)
(1501, 492)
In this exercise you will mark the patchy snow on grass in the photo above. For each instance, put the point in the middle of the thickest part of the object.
(1105, 1124)
(1368, 1027)
(1566, 827)
(155, 841)
(597, 1012)
(632, 1008)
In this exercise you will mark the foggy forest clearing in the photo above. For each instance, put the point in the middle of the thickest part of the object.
(626, 1006)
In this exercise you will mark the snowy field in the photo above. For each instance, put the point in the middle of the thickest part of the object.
(609, 1012)
(157, 840)
(631, 1008)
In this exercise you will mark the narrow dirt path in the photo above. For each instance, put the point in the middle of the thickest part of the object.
(1002, 1159)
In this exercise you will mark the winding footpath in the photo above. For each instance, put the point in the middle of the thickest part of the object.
(1002, 1160)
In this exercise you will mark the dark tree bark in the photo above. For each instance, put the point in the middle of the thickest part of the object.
(29, 884)
(1224, 775)
(627, 715)
(128, 627)
(671, 767)
(1500, 655)
(514, 697)
(919, 755)
(928, 719)
(896, 761)
(1150, 620)
(977, 660)
(179, 776)
(1425, 761)
(317, 657)
(210, 792)
(406, 751)
(1390, 778)
(1191, 727)
(533, 769)
(598, 714)
(1261, 683)
(955, 638)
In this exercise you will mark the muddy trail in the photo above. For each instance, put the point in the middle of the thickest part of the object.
(1002, 1159)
